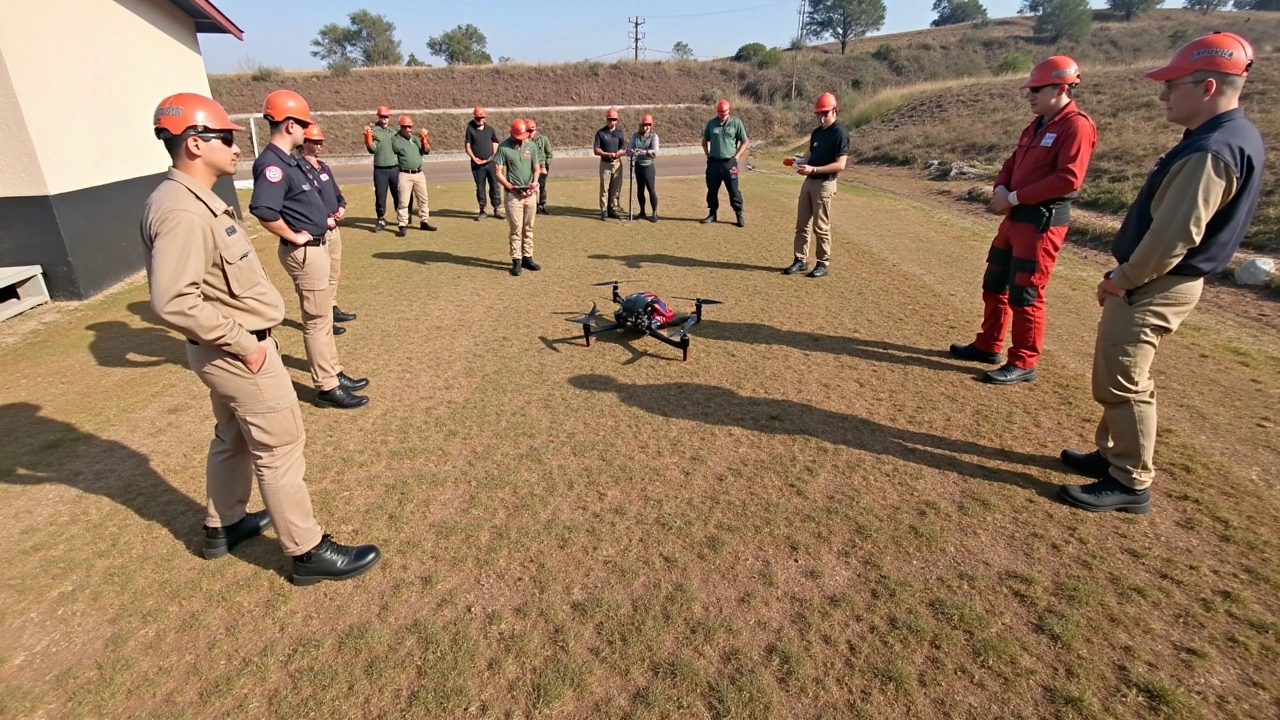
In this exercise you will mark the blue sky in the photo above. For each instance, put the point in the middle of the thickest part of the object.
(565, 30)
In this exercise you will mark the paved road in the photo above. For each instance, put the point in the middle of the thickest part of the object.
(460, 170)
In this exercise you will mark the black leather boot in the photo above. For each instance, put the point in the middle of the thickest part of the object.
(969, 352)
(340, 316)
(1090, 464)
(515, 267)
(799, 267)
(351, 383)
(219, 541)
(529, 264)
(331, 561)
(710, 218)
(341, 397)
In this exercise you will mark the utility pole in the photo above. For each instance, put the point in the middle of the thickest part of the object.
(635, 35)
(795, 51)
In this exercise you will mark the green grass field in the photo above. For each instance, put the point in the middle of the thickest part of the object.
(819, 515)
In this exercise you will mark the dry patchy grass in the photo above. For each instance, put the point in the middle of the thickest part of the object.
(820, 515)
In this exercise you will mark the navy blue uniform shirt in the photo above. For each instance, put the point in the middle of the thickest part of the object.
(282, 189)
(323, 178)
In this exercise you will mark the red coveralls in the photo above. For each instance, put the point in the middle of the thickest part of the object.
(1049, 164)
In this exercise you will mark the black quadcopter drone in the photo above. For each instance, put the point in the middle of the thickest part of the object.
(644, 312)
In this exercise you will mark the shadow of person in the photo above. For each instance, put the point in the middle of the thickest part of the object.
(637, 262)
(872, 350)
(39, 450)
(720, 406)
(624, 339)
(117, 344)
(364, 223)
(431, 257)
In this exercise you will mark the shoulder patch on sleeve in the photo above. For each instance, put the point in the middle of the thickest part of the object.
(273, 173)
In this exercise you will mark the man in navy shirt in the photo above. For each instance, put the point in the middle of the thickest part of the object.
(290, 206)
(828, 153)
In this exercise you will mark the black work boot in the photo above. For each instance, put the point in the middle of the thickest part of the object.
(819, 270)
(969, 352)
(654, 217)
(604, 216)
(1090, 464)
(710, 218)
(351, 383)
(797, 267)
(1009, 374)
(1105, 495)
(515, 267)
(528, 263)
(424, 225)
(480, 215)
(741, 221)
(219, 541)
(340, 397)
(378, 226)
(338, 329)
(340, 316)
(331, 561)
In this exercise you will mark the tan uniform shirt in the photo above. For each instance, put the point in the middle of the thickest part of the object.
(205, 278)
(1195, 188)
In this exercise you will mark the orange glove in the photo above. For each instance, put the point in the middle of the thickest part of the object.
(368, 136)
(788, 161)
(426, 142)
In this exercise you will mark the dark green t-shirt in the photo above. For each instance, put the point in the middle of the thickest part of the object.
(518, 159)
(724, 137)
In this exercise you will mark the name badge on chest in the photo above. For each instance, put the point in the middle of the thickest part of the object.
(324, 176)
(1048, 139)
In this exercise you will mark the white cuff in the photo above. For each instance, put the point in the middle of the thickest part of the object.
(1013, 198)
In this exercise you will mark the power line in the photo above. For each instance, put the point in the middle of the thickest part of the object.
(615, 52)
(635, 35)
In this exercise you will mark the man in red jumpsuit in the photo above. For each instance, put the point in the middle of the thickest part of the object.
(1033, 191)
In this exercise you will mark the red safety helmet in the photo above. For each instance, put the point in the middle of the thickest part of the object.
(1222, 52)
(646, 120)
(519, 129)
(533, 124)
(312, 133)
(405, 120)
(611, 114)
(826, 102)
(1056, 70)
(478, 112)
(282, 105)
(178, 113)
(722, 107)
(384, 111)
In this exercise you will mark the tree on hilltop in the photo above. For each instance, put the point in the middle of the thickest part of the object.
(843, 20)
(1205, 6)
(1058, 20)
(956, 12)
(1133, 7)
(463, 45)
(367, 40)
(1256, 5)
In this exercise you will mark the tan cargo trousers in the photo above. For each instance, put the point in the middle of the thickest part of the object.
(257, 435)
(308, 265)
(521, 213)
(1128, 334)
(814, 209)
(611, 186)
(415, 185)
(333, 241)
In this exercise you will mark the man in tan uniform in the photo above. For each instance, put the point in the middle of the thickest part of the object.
(518, 163)
(410, 149)
(206, 283)
(290, 206)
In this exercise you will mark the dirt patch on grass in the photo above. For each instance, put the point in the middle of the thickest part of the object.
(820, 515)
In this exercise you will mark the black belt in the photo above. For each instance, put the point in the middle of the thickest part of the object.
(260, 334)
(720, 159)
(316, 241)
(1048, 214)
(411, 171)
(823, 176)
(387, 167)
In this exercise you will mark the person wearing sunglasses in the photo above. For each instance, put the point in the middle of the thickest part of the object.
(1033, 191)
(336, 204)
(206, 282)
(410, 149)
(386, 171)
(1186, 222)
(643, 148)
(544, 146)
(826, 159)
(290, 206)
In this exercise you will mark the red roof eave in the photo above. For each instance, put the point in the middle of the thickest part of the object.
(209, 18)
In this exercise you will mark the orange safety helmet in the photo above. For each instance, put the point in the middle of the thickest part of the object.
(519, 129)
(826, 102)
(1056, 70)
(282, 105)
(722, 107)
(1222, 52)
(405, 120)
(611, 114)
(384, 111)
(646, 120)
(478, 112)
(312, 133)
(533, 124)
(178, 113)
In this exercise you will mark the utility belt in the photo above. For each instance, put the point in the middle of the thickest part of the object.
(823, 176)
(411, 172)
(1048, 214)
(716, 159)
(260, 334)
(316, 241)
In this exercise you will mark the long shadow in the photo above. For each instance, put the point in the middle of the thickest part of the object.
(465, 215)
(431, 257)
(872, 350)
(636, 262)
(625, 340)
(117, 344)
(368, 223)
(720, 406)
(39, 450)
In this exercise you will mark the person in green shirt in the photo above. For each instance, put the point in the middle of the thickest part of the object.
(409, 149)
(386, 172)
(724, 141)
(545, 146)
(518, 163)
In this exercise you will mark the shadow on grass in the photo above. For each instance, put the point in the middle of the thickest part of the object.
(40, 450)
(117, 344)
(433, 257)
(623, 339)
(637, 262)
(720, 406)
(871, 350)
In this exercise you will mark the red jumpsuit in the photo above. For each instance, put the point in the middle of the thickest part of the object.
(1049, 164)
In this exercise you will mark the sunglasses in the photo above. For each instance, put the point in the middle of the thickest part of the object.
(227, 137)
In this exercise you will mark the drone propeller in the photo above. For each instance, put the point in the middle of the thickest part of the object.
(684, 329)
(704, 301)
(589, 317)
(610, 282)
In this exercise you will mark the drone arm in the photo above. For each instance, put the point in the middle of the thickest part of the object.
(682, 343)
(589, 330)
